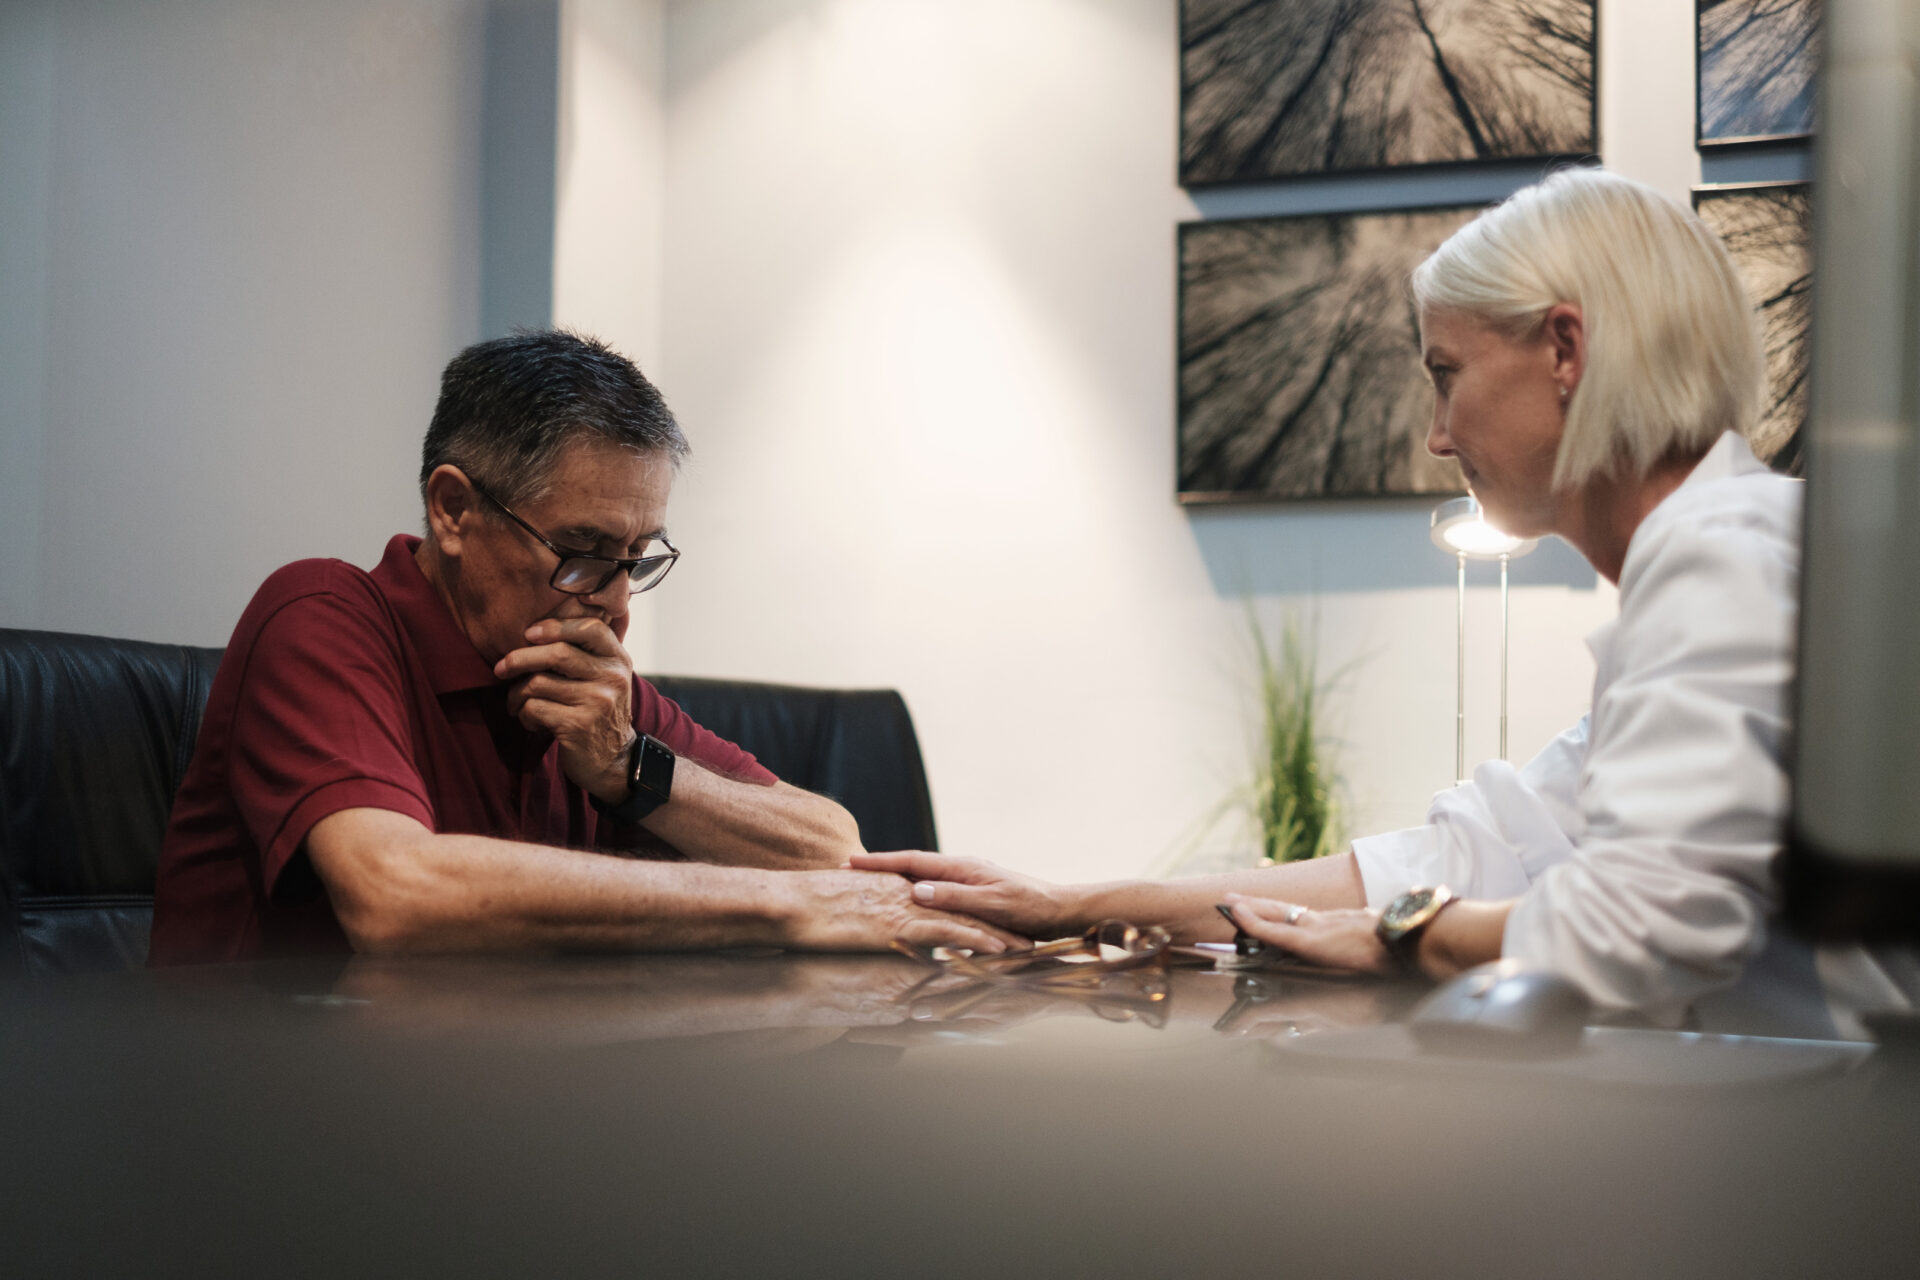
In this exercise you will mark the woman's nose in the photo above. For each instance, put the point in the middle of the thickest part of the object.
(1439, 444)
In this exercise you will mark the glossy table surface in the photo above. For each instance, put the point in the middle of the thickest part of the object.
(740, 1114)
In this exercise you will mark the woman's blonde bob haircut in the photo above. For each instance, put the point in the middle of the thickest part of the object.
(1673, 349)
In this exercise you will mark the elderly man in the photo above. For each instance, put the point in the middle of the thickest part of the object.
(440, 754)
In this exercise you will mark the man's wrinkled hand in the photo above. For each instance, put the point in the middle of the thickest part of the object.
(575, 681)
(865, 911)
(1030, 907)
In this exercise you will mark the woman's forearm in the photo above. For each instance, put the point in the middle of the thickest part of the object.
(1467, 933)
(1186, 907)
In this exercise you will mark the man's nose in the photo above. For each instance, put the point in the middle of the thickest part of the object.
(614, 599)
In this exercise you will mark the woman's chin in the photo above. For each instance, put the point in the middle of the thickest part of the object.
(1515, 524)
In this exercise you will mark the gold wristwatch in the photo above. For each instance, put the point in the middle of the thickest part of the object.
(1405, 918)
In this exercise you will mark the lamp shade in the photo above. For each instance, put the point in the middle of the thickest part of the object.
(1458, 528)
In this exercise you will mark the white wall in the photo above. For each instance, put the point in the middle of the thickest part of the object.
(609, 235)
(920, 333)
(920, 299)
(240, 241)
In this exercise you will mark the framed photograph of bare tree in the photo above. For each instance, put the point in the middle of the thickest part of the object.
(1768, 228)
(1278, 88)
(1756, 74)
(1300, 367)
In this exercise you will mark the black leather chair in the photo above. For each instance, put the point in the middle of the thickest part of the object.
(856, 745)
(95, 734)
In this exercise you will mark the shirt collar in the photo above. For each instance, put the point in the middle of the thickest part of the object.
(1731, 455)
(451, 661)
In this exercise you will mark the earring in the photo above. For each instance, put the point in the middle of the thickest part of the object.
(1563, 391)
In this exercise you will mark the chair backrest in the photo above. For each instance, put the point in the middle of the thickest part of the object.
(94, 736)
(856, 745)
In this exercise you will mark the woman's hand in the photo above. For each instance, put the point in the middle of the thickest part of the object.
(1340, 939)
(1467, 933)
(978, 888)
(856, 910)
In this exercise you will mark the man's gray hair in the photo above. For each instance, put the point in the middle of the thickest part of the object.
(509, 407)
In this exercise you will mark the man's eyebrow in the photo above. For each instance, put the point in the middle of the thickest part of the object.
(594, 536)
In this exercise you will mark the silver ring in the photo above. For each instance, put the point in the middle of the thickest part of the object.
(1294, 913)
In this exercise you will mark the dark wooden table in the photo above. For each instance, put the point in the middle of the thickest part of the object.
(774, 1115)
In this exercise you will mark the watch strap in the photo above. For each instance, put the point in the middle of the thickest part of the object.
(1401, 940)
(649, 782)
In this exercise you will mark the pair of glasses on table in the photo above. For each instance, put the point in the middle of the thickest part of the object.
(1110, 947)
(1116, 969)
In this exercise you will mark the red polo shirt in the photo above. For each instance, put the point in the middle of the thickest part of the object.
(343, 689)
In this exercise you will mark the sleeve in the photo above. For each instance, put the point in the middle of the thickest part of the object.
(1666, 894)
(1488, 838)
(321, 725)
(661, 716)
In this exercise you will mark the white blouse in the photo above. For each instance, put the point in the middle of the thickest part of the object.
(1640, 842)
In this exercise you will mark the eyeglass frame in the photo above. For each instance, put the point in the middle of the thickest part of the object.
(619, 565)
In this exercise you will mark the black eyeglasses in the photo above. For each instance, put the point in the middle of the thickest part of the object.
(581, 575)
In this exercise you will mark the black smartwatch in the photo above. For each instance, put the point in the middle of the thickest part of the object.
(649, 782)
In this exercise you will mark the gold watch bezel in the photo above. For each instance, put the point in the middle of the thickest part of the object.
(1397, 928)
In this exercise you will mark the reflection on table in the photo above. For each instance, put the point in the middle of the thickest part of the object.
(843, 1115)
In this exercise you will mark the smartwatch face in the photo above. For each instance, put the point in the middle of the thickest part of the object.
(653, 768)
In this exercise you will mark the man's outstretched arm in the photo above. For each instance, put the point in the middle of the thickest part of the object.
(747, 824)
(398, 887)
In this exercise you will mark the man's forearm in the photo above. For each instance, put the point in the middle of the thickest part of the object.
(741, 824)
(1186, 907)
(397, 887)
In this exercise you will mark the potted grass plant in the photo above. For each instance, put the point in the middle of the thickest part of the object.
(1292, 796)
(1286, 795)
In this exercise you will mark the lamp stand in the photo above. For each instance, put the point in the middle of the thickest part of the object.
(1458, 528)
(1503, 657)
(1460, 662)
(1460, 681)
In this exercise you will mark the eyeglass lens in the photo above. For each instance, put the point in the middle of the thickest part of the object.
(587, 575)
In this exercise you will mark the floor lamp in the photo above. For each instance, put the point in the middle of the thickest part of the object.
(1459, 529)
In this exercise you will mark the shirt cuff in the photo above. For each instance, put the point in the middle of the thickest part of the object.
(331, 798)
(1393, 863)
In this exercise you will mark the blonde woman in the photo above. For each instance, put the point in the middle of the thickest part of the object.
(1596, 368)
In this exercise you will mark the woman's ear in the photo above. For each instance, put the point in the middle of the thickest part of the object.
(452, 506)
(1566, 334)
